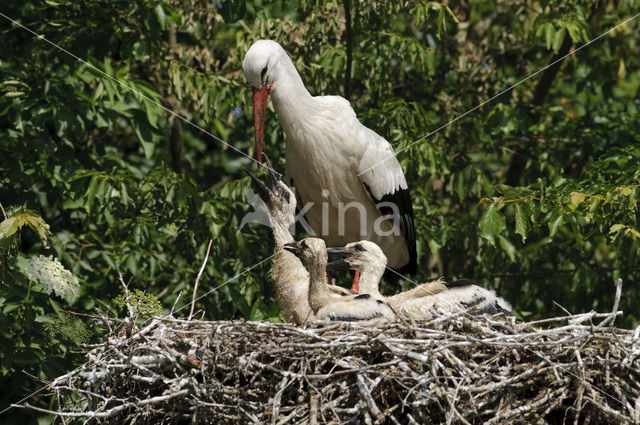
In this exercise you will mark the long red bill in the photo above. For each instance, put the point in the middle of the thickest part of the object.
(259, 112)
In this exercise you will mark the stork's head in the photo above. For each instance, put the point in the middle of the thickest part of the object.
(280, 200)
(260, 66)
(362, 256)
(309, 250)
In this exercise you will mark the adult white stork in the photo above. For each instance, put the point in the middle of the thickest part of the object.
(333, 161)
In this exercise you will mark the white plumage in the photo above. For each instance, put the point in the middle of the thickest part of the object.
(421, 302)
(329, 155)
(289, 276)
(325, 303)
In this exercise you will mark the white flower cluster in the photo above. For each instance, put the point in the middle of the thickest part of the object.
(52, 276)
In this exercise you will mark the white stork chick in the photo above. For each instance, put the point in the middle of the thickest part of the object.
(342, 171)
(324, 302)
(290, 277)
(421, 302)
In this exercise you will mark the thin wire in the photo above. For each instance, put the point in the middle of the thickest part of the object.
(574, 375)
(404, 277)
(534, 352)
(501, 93)
(170, 112)
(11, 406)
(242, 153)
(139, 93)
(224, 283)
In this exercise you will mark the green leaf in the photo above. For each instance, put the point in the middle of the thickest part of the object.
(522, 220)
(633, 232)
(23, 218)
(144, 133)
(491, 223)
(9, 308)
(232, 10)
(160, 15)
(576, 199)
(8, 227)
(431, 61)
(557, 219)
(90, 195)
(624, 190)
(616, 228)
(434, 246)
(507, 247)
(37, 224)
(549, 32)
(557, 39)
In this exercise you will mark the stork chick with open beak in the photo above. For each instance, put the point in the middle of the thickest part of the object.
(289, 276)
(421, 302)
(346, 176)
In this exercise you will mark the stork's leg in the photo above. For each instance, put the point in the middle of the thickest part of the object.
(356, 281)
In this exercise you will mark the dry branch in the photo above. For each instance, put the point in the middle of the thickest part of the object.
(454, 369)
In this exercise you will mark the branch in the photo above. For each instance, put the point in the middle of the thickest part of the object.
(195, 287)
(616, 304)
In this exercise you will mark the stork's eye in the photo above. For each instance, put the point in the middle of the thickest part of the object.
(264, 71)
(285, 195)
(304, 245)
(358, 247)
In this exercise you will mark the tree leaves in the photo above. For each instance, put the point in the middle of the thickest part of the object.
(522, 220)
(23, 217)
(576, 199)
(558, 179)
(232, 10)
(556, 220)
(492, 222)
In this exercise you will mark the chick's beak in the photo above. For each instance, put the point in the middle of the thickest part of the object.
(292, 247)
(339, 264)
(339, 251)
(274, 176)
(261, 189)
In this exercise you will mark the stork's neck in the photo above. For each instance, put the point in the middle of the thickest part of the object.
(317, 282)
(290, 97)
(370, 276)
(281, 235)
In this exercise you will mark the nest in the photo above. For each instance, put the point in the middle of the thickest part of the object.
(452, 369)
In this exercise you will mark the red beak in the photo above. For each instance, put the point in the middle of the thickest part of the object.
(259, 112)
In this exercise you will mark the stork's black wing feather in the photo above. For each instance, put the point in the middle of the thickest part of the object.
(462, 282)
(402, 199)
(345, 317)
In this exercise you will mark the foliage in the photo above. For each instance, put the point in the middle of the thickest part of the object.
(67, 328)
(140, 304)
(534, 194)
(9, 231)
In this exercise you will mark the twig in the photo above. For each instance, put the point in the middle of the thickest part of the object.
(616, 303)
(93, 316)
(110, 412)
(561, 307)
(195, 286)
(173, 307)
(460, 369)
(366, 394)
